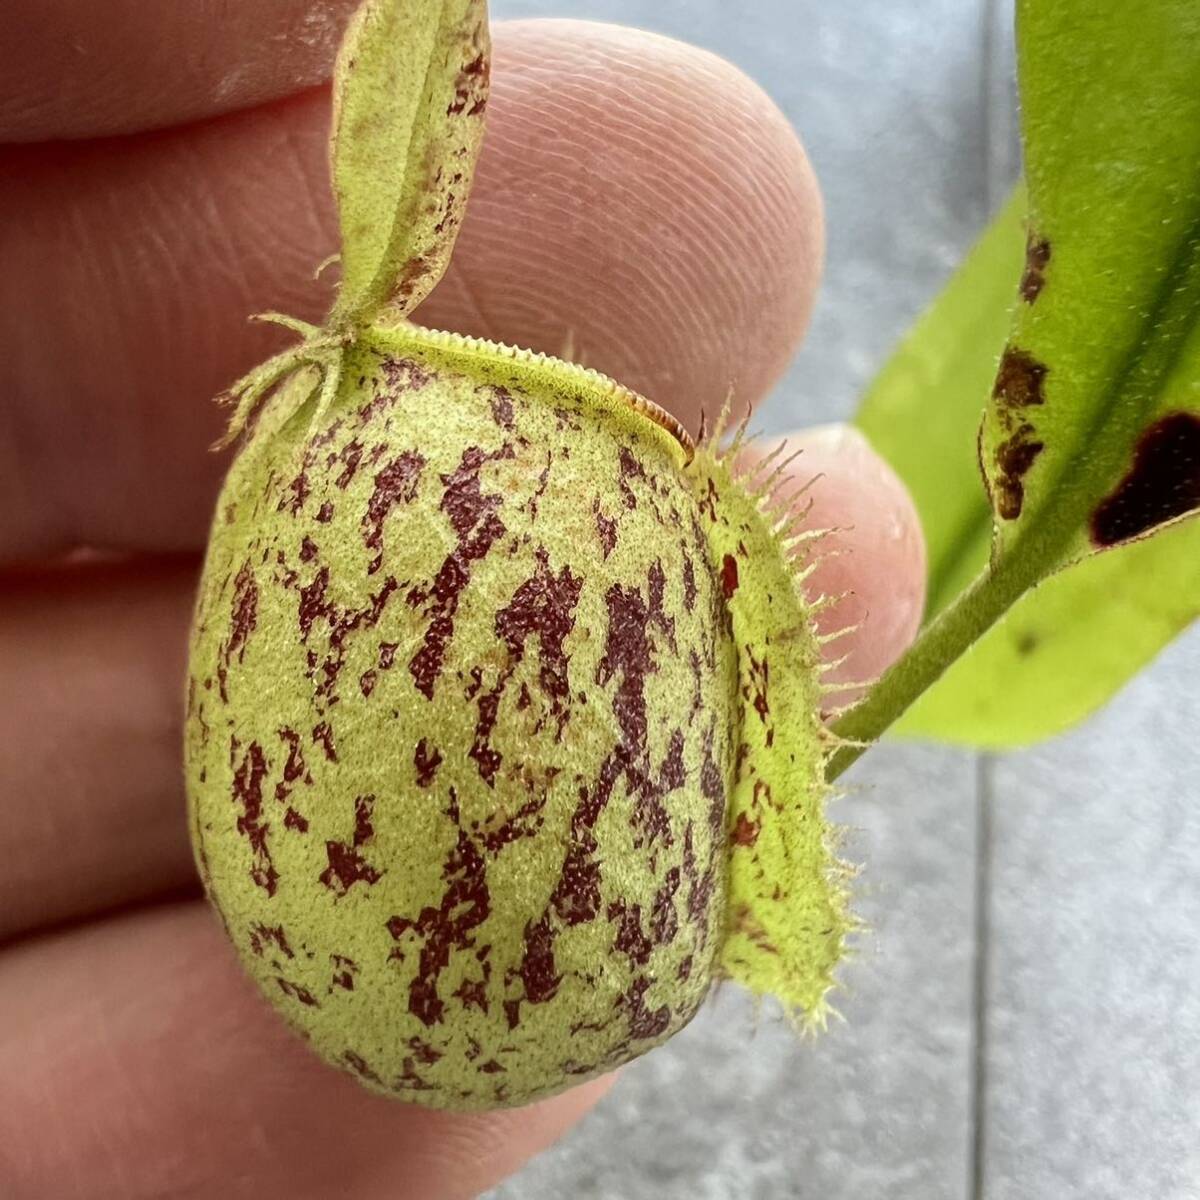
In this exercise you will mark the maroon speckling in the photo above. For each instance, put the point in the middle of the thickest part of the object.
(346, 864)
(712, 786)
(296, 992)
(542, 606)
(701, 885)
(630, 940)
(247, 791)
(367, 681)
(502, 408)
(296, 492)
(491, 1067)
(644, 1022)
(689, 583)
(472, 514)
(313, 603)
(472, 993)
(756, 688)
(350, 456)
(576, 897)
(531, 505)
(359, 1066)
(344, 971)
(387, 655)
(406, 375)
(262, 936)
(243, 619)
(396, 484)
(426, 761)
(630, 468)
(664, 921)
(294, 767)
(627, 653)
(293, 820)
(606, 527)
(423, 1052)
(657, 584)
(322, 735)
(308, 549)
(410, 1079)
(672, 775)
(512, 1013)
(684, 972)
(525, 822)
(729, 575)
(537, 972)
(325, 512)
(465, 905)
(470, 89)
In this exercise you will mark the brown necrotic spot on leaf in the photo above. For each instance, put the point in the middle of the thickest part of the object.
(1014, 456)
(1037, 256)
(1020, 379)
(1162, 484)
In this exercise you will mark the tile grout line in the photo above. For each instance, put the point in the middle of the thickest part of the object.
(980, 975)
(982, 931)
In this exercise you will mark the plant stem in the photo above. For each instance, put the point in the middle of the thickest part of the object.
(948, 636)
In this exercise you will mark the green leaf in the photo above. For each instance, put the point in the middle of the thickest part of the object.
(923, 410)
(1066, 647)
(410, 91)
(1092, 434)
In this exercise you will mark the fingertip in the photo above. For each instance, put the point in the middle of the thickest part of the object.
(873, 558)
(644, 202)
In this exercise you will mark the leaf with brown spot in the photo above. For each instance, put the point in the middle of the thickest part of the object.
(1111, 348)
(1088, 436)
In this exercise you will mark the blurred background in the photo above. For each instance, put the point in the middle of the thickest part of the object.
(1023, 1019)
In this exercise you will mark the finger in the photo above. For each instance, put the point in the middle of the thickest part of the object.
(638, 198)
(77, 68)
(871, 562)
(101, 821)
(137, 1061)
(91, 795)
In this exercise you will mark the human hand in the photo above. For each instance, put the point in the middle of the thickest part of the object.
(637, 199)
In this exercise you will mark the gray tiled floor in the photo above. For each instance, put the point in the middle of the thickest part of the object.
(1024, 1021)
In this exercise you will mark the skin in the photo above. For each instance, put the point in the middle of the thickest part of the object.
(135, 1058)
